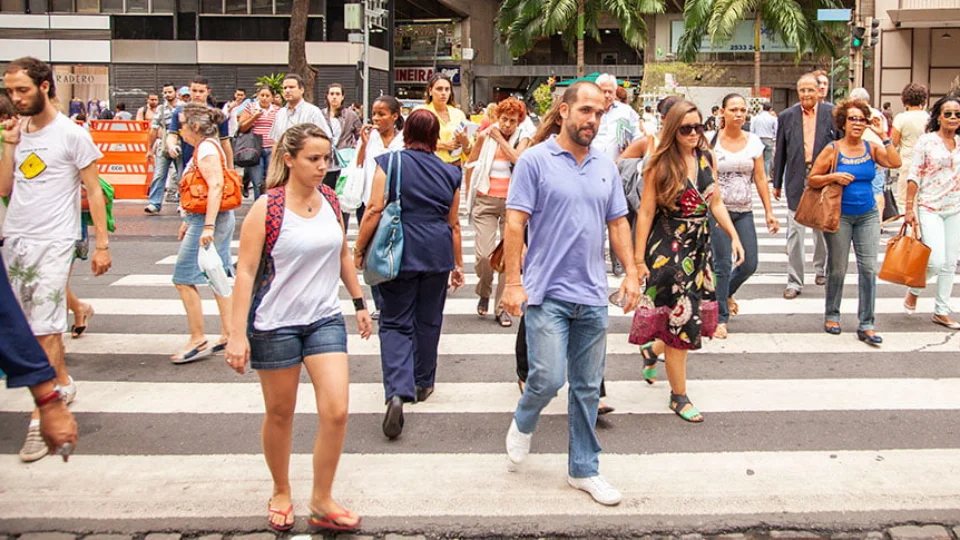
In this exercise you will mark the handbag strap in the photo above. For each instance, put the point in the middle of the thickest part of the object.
(836, 157)
(390, 173)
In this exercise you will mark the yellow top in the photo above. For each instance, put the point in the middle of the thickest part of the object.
(446, 131)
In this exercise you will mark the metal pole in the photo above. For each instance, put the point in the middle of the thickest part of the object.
(366, 62)
(436, 48)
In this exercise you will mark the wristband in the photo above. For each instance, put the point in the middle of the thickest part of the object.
(887, 142)
(106, 248)
(514, 285)
(49, 398)
(358, 304)
(209, 226)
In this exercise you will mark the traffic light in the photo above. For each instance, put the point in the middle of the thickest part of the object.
(874, 33)
(856, 36)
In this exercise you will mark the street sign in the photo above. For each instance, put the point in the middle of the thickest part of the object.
(842, 15)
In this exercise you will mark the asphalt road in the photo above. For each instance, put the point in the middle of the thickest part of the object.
(802, 429)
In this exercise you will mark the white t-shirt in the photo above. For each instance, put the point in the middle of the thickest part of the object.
(208, 147)
(911, 125)
(307, 280)
(45, 203)
(735, 173)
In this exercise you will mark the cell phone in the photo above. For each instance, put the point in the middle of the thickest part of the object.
(616, 301)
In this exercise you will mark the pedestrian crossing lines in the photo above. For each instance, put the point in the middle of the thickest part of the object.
(800, 425)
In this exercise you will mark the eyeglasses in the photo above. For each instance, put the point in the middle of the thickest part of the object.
(687, 129)
(950, 114)
(857, 119)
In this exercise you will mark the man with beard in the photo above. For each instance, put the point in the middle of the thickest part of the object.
(45, 158)
(199, 92)
(157, 152)
(567, 192)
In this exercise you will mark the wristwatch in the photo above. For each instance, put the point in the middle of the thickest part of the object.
(56, 394)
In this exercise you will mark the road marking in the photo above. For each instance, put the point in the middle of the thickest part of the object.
(667, 484)
(462, 345)
(629, 397)
(468, 306)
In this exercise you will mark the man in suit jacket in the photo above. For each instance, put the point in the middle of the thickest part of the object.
(803, 130)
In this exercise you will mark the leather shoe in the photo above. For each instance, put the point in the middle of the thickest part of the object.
(869, 337)
(423, 393)
(790, 294)
(820, 280)
(833, 329)
(393, 419)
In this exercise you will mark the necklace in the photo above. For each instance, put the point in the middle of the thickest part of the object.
(309, 209)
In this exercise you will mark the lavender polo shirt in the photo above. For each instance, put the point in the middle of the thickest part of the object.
(569, 206)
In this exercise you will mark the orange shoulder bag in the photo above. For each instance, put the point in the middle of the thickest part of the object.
(194, 189)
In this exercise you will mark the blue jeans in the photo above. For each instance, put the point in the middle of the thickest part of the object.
(286, 347)
(566, 341)
(864, 231)
(187, 270)
(257, 174)
(768, 145)
(160, 171)
(729, 279)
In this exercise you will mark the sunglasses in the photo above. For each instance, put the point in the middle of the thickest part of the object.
(687, 129)
(857, 119)
(950, 114)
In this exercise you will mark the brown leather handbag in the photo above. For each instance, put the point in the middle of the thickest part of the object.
(496, 259)
(819, 208)
(906, 260)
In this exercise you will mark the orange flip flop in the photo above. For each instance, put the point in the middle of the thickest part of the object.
(329, 522)
(285, 513)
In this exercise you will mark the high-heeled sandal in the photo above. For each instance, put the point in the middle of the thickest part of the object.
(649, 364)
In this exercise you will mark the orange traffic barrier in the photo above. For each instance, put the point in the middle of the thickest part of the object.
(124, 164)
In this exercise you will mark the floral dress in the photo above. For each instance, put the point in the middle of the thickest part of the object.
(679, 304)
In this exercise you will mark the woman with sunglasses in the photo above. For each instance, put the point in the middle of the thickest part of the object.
(856, 161)
(679, 305)
(933, 203)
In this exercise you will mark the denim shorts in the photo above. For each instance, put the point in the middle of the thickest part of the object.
(187, 269)
(288, 346)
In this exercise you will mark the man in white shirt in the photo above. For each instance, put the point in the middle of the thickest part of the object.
(157, 152)
(46, 158)
(764, 125)
(297, 110)
(619, 125)
(233, 108)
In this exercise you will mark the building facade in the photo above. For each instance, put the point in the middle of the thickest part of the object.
(120, 50)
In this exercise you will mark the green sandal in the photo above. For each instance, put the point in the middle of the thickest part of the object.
(678, 401)
(649, 363)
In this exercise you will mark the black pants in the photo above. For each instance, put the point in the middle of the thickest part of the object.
(523, 368)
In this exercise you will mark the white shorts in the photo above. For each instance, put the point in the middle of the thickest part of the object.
(38, 272)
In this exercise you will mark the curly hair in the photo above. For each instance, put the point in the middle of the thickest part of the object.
(914, 95)
(512, 107)
(934, 123)
(840, 111)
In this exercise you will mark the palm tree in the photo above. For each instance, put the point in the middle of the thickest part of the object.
(792, 21)
(524, 22)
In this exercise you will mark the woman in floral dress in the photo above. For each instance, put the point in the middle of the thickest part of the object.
(679, 306)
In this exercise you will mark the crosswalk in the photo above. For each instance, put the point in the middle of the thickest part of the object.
(800, 426)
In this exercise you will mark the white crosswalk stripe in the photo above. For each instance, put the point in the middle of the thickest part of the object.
(785, 404)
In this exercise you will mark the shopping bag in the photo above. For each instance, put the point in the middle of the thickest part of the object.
(905, 262)
(211, 266)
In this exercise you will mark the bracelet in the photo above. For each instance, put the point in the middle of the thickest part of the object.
(887, 142)
(106, 248)
(209, 226)
(49, 398)
(11, 143)
(358, 304)
(520, 284)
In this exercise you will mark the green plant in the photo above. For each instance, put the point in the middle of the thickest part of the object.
(684, 74)
(543, 96)
(273, 80)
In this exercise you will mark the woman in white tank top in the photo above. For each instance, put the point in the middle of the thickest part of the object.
(287, 312)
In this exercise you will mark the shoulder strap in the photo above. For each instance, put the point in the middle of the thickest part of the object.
(716, 137)
(276, 201)
(331, 197)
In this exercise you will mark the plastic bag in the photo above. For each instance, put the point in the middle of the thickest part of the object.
(211, 266)
(350, 186)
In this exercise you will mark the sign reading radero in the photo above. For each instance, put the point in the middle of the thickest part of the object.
(80, 78)
(420, 75)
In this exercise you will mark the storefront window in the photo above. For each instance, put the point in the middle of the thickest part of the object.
(284, 7)
(163, 6)
(262, 7)
(37, 6)
(138, 6)
(417, 42)
(211, 6)
(61, 6)
(237, 6)
(111, 6)
(88, 6)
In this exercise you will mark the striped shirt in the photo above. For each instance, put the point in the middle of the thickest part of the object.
(264, 124)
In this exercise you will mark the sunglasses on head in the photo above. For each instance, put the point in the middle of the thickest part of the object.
(951, 114)
(857, 119)
(687, 129)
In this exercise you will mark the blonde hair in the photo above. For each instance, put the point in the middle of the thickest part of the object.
(291, 142)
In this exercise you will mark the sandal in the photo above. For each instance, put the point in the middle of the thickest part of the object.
(271, 511)
(219, 347)
(649, 364)
(504, 319)
(945, 321)
(483, 306)
(678, 402)
(77, 329)
(733, 307)
(192, 355)
(328, 522)
(907, 306)
(721, 331)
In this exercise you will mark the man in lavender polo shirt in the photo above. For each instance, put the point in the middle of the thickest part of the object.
(568, 193)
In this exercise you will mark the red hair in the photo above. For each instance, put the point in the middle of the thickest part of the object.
(421, 131)
(512, 107)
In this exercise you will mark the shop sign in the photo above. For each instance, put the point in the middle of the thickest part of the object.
(81, 79)
(420, 75)
(741, 42)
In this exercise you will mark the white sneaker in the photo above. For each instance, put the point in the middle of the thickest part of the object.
(69, 392)
(518, 446)
(34, 448)
(598, 488)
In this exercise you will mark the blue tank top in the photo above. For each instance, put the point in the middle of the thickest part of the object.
(858, 195)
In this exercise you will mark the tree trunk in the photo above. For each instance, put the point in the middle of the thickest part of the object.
(756, 52)
(581, 14)
(298, 47)
(649, 50)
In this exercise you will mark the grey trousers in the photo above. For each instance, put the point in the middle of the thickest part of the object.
(796, 252)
